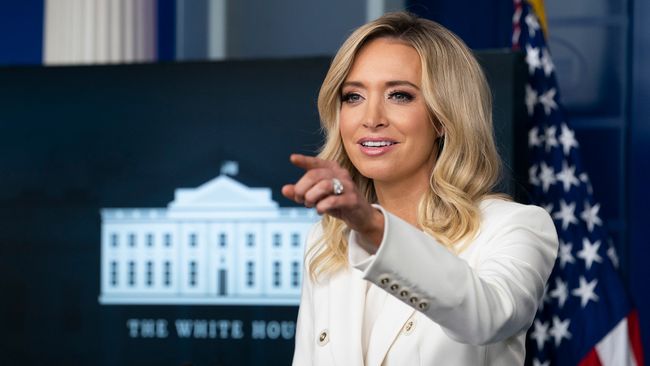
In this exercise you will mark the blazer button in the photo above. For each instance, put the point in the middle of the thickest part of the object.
(394, 287)
(423, 305)
(384, 281)
(323, 338)
(413, 300)
(409, 327)
(403, 293)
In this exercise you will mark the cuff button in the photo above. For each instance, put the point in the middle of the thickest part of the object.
(323, 338)
(423, 305)
(413, 300)
(394, 287)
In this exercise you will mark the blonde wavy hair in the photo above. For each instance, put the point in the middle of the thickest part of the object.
(467, 166)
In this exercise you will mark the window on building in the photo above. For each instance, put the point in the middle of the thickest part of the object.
(223, 240)
(168, 274)
(150, 240)
(250, 274)
(149, 273)
(277, 240)
(295, 274)
(193, 240)
(250, 239)
(222, 282)
(114, 240)
(168, 240)
(131, 273)
(276, 274)
(192, 273)
(113, 273)
(131, 240)
(295, 239)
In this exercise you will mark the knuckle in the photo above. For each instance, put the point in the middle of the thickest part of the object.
(320, 174)
(326, 186)
(310, 198)
(299, 191)
(309, 175)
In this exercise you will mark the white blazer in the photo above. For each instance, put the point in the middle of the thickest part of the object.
(440, 309)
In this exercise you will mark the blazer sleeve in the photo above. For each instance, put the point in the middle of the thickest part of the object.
(494, 299)
(305, 337)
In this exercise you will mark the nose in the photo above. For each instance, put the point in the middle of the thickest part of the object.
(375, 115)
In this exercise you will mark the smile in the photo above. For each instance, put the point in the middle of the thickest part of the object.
(376, 146)
(377, 143)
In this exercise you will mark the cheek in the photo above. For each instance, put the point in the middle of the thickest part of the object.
(346, 130)
(424, 133)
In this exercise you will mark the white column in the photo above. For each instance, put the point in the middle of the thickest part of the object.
(115, 31)
(89, 20)
(99, 31)
(75, 35)
(102, 35)
(128, 27)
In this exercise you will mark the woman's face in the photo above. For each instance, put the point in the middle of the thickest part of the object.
(384, 122)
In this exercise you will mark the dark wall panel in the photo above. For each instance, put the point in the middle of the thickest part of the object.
(639, 168)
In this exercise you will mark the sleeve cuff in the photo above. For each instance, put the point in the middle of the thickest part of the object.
(361, 253)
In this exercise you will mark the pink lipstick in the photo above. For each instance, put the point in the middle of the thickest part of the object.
(375, 146)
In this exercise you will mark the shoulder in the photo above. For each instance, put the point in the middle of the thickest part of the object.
(498, 214)
(494, 210)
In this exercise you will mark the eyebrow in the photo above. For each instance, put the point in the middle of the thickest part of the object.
(388, 83)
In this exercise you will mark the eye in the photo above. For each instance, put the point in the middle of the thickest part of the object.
(350, 98)
(400, 96)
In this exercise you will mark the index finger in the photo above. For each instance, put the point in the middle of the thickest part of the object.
(309, 162)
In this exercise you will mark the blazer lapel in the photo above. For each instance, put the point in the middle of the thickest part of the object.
(347, 293)
(391, 320)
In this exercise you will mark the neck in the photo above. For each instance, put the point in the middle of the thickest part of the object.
(402, 198)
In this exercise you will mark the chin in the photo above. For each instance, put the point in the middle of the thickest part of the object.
(376, 172)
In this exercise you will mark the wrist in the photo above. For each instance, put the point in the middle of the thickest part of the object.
(373, 232)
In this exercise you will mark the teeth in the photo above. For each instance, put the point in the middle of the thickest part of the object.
(376, 143)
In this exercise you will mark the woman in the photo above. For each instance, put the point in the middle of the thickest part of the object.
(415, 261)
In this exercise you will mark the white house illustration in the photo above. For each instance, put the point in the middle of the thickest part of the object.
(220, 243)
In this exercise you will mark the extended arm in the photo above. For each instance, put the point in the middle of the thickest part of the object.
(493, 299)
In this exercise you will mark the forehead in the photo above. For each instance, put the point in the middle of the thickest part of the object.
(388, 59)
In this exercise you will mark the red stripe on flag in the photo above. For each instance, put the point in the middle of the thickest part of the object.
(634, 333)
(591, 359)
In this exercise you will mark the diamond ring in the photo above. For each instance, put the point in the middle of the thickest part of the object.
(337, 187)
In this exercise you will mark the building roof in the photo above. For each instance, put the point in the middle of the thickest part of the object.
(222, 192)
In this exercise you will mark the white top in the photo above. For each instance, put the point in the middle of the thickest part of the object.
(439, 308)
(375, 299)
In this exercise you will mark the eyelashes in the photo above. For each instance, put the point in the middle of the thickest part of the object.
(350, 97)
(401, 96)
(397, 95)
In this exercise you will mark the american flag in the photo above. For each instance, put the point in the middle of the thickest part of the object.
(585, 317)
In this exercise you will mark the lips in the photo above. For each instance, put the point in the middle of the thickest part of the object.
(374, 146)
